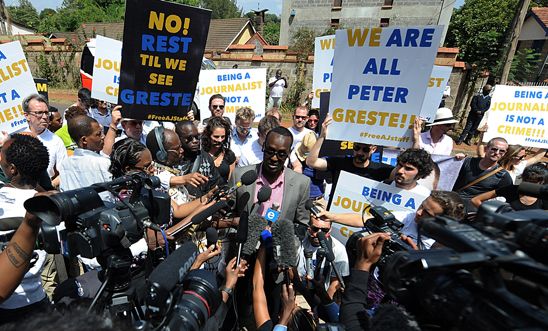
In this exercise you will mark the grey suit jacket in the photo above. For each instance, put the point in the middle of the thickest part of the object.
(296, 192)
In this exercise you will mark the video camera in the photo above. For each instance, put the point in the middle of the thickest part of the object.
(94, 226)
(489, 275)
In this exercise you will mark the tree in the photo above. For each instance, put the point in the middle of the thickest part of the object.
(222, 8)
(524, 66)
(479, 28)
(25, 14)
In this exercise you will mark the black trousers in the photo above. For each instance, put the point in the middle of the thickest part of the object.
(471, 127)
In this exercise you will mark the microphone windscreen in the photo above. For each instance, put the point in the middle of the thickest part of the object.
(171, 271)
(249, 177)
(255, 226)
(212, 236)
(532, 189)
(204, 214)
(311, 207)
(283, 240)
(326, 246)
(241, 235)
(264, 194)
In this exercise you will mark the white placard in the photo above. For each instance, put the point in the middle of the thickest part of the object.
(324, 49)
(379, 82)
(519, 114)
(106, 69)
(436, 85)
(16, 83)
(354, 193)
(239, 87)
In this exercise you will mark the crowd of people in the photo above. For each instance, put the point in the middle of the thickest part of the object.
(90, 143)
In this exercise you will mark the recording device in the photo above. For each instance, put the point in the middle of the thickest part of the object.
(284, 245)
(309, 265)
(200, 217)
(320, 257)
(311, 207)
(93, 227)
(484, 278)
(382, 221)
(533, 190)
(329, 256)
(256, 225)
(247, 178)
(212, 236)
(241, 234)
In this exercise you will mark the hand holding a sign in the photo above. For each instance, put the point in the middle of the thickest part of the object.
(417, 127)
(325, 124)
(370, 250)
(116, 116)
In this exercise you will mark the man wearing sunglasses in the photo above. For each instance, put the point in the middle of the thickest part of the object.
(310, 244)
(479, 175)
(217, 108)
(360, 163)
(298, 130)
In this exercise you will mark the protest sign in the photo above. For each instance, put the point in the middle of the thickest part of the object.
(519, 114)
(324, 48)
(239, 87)
(42, 86)
(161, 59)
(354, 193)
(106, 69)
(379, 81)
(16, 84)
(436, 85)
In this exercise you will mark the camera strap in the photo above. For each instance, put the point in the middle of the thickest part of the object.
(10, 223)
(479, 179)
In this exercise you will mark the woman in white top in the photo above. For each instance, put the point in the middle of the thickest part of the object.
(515, 161)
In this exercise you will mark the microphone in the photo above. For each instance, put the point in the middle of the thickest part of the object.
(166, 276)
(241, 235)
(153, 226)
(311, 207)
(330, 257)
(212, 236)
(248, 178)
(255, 226)
(309, 266)
(320, 256)
(283, 243)
(209, 211)
(533, 190)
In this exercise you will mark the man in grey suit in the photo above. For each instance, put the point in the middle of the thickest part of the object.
(290, 190)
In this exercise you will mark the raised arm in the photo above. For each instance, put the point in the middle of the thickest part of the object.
(313, 160)
(110, 137)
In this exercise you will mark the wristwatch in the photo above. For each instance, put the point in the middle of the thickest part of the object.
(228, 291)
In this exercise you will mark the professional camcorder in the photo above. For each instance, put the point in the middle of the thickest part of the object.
(488, 276)
(94, 226)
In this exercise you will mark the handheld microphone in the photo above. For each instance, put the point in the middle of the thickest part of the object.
(247, 178)
(311, 207)
(330, 257)
(199, 218)
(241, 235)
(320, 257)
(165, 276)
(212, 236)
(283, 242)
(309, 266)
(256, 225)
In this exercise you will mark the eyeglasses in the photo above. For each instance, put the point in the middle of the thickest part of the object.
(218, 106)
(519, 157)
(300, 117)
(191, 138)
(146, 168)
(243, 128)
(315, 229)
(39, 113)
(312, 121)
(279, 154)
(364, 148)
(497, 151)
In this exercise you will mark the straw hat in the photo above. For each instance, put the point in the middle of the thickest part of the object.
(443, 116)
(303, 148)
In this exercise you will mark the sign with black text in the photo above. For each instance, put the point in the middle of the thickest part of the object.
(161, 59)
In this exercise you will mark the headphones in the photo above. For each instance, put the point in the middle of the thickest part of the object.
(161, 154)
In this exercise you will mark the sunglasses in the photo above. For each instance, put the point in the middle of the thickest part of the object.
(364, 148)
(218, 107)
(279, 154)
(519, 157)
(191, 138)
(300, 117)
(496, 150)
(315, 229)
(312, 121)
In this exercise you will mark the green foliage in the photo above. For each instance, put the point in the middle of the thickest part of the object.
(222, 8)
(25, 14)
(271, 33)
(302, 41)
(524, 66)
(478, 29)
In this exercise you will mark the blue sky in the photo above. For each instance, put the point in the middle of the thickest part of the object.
(274, 6)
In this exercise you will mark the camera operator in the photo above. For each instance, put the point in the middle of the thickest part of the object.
(23, 158)
(353, 307)
(311, 244)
